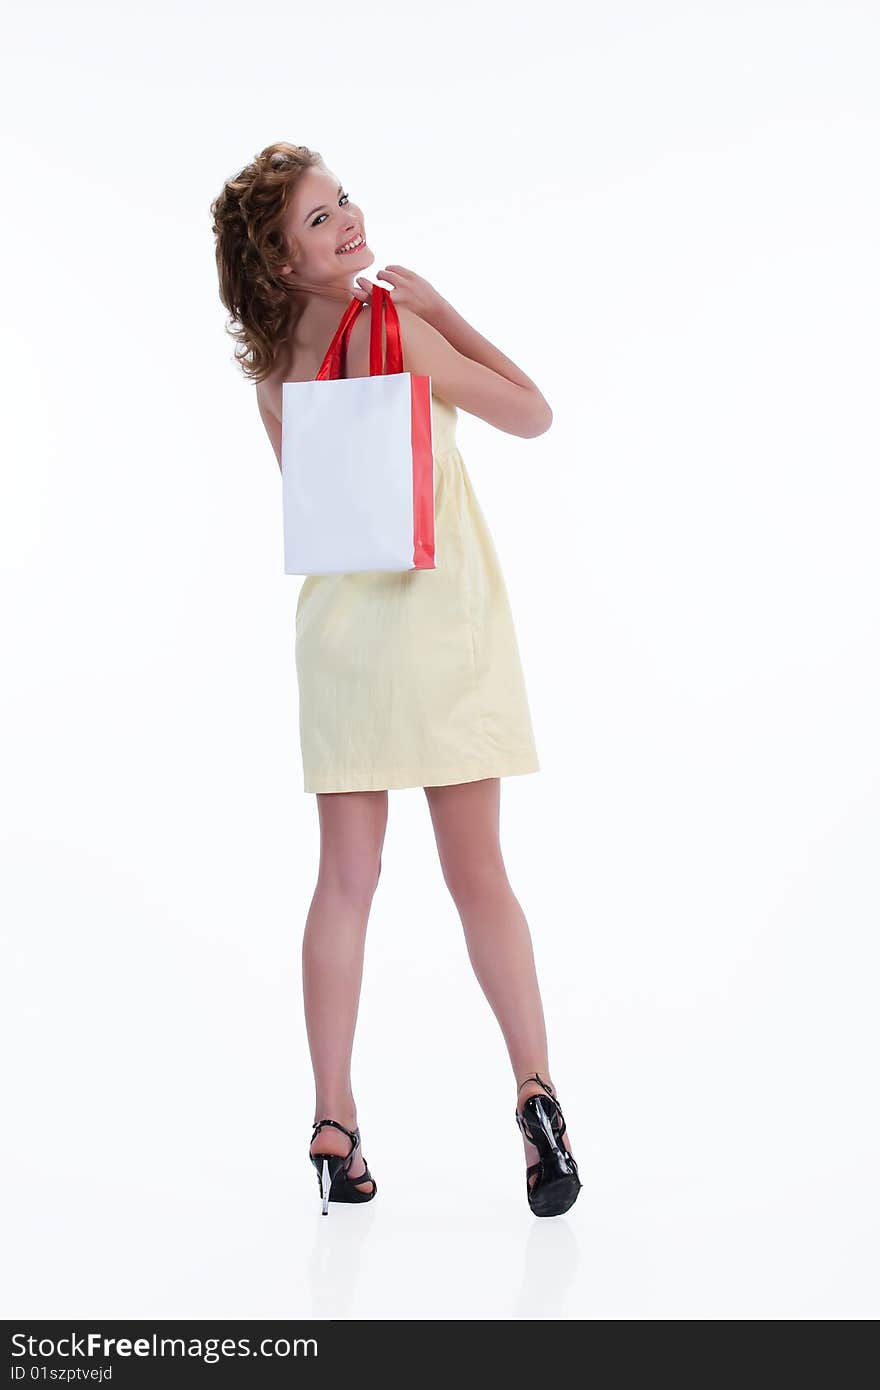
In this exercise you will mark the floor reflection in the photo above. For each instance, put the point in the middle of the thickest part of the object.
(551, 1263)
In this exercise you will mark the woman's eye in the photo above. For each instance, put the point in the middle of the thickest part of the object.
(343, 197)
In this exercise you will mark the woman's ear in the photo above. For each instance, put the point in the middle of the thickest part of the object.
(288, 269)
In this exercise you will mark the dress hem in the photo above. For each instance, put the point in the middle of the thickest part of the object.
(400, 779)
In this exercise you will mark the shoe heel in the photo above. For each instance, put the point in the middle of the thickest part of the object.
(544, 1119)
(557, 1182)
(327, 1166)
(335, 1182)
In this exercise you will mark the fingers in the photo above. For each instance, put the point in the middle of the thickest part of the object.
(394, 274)
(363, 288)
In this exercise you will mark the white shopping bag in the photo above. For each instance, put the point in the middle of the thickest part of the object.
(357, 459)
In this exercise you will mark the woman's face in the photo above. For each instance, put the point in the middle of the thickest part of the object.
(320, 219)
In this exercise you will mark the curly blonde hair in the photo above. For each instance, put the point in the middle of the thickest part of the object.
(250, 249)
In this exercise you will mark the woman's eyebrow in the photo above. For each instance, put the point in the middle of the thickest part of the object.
(323, 205)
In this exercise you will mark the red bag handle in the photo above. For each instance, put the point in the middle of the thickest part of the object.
(382, 306)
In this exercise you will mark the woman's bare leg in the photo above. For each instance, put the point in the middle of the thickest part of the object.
(352, 828)
(466, 828)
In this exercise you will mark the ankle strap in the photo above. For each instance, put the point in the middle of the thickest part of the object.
(541, 1082)
(353, 1134)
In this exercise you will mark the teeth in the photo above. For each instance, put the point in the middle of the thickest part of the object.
(350, 245)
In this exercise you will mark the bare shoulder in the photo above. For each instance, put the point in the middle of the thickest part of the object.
(419, 339)
(303, 365)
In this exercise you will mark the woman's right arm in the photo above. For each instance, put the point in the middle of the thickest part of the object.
(514, 406)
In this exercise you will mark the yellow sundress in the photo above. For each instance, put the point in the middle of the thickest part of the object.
(413, 678)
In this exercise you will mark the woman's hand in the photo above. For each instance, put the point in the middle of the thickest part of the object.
(407, 289)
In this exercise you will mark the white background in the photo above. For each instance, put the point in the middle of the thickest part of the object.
(667, 215)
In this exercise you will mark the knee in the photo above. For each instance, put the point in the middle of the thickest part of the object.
(355, 880)
(473, 881)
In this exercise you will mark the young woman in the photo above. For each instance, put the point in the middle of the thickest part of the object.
(405, 678)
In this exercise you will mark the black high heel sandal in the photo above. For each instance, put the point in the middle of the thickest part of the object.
(334, 1182)
(557, 1185)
